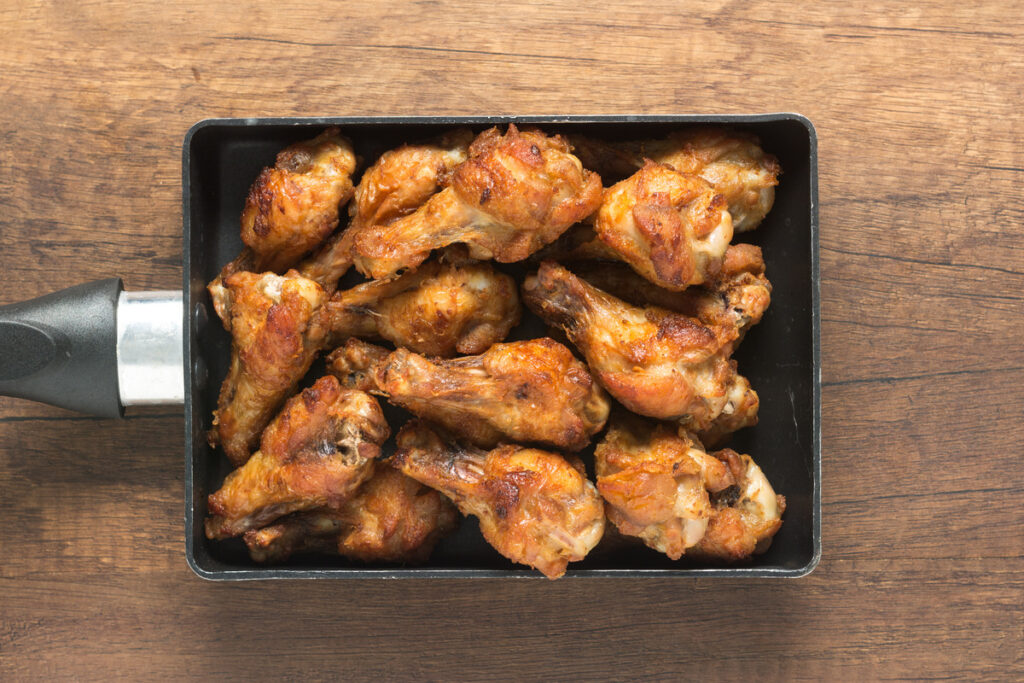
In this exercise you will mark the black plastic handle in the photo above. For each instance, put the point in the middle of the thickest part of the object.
(62, 349)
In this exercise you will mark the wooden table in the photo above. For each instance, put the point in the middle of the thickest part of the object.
(918, 110)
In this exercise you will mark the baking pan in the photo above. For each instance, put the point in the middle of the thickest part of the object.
(108, 348)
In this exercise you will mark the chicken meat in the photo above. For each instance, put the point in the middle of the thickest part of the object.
(529, 391)
(447, 306)
(745, 517)
(535, 508)
(393, 518)
(731, 161)
(673, 228)
(514, 194)
(656, 482)
(291, 208)
(276, 324)
(314, 454)
(400, 181)
(735, 299)
(655, 362)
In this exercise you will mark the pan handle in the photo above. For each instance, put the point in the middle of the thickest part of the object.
(94, 348)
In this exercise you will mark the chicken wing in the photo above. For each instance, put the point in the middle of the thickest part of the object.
(401, 181)
(656, 482)
(291, 208)
(276, 332)
(516, 193)
(534, 507)
(671, 227)
(393, 518)
(529, 391)
(314, 454)
(655, 362)
(745, 517)
(735, 299)
(446, 306)
(731, 161)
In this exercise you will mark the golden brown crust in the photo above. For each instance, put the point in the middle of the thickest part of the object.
(732, 161)
(731, 302)
(397, 184)
(393, 518)
(656, 481)
(534, 507)
(315, 453)
(276, 333)
(516, 193)
(293, 207)
(655, 362)
(447, 306)
(670, 227)
(743, 523)
(530, 391)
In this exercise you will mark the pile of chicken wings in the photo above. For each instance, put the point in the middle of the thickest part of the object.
(638, 280)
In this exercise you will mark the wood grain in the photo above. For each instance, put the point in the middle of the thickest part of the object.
(922, 243)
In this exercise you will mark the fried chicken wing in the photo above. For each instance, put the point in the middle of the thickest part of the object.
(445, 307)
(534, 507)
(656, 482)
(514, 194)
(393, 518)
(745, 517)
(671, 227)
(314, 454)
(529, 391)
(731, 161)
(291, 208)
(735, 299)
(401, 181)
(276, 328)
(655, 362)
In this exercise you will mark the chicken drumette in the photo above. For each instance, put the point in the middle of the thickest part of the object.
(655, 362)
(393, 518)
(672, 228)
(735, 299)
(447, 306)
(745, 517)
(401, 181)
(514, 194)
(314, 454)
(530, 391)
(291, 208)
(277, 330)
(731, 161)
(534, 507)
(656, 483)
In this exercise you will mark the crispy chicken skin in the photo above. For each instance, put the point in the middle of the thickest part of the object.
(529, 391)
(534, 507)
(655, 362)
(314, 454)
(735, 298)
(673, 228)
(731, 161)
(745, 517)
(392, 518)
(291, 208)
(445, 307)
(655, 483)
(515, 193)
(276, 332)
(401, 181)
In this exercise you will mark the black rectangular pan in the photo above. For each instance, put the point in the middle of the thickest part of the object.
(102, 351)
